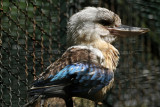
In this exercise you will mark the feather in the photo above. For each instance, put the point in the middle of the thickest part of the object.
(90, 79)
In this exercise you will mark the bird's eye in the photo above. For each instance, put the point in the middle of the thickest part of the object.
(105, 22)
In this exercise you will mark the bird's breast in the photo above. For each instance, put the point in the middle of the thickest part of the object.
(100, 95)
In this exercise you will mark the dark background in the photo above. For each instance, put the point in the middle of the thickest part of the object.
(33, 35)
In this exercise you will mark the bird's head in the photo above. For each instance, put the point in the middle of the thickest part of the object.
(97, 24)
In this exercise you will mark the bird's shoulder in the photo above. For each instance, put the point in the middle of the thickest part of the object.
(74, 54)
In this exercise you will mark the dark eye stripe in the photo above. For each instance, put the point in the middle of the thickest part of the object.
(105, 22)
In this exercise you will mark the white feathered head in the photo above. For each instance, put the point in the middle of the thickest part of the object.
(91, 24)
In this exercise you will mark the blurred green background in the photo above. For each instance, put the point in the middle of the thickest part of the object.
(33, 35)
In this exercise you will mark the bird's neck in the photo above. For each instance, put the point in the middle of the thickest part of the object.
(109, 52)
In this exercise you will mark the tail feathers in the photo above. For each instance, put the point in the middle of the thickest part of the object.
(55, 91)
(36, 91)
(45, 92)
(51, 90)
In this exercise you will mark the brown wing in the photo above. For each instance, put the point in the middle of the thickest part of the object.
(73, 55)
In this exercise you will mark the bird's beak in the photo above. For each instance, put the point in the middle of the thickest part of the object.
(127, 31)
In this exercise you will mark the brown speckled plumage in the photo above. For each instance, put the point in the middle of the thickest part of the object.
(71, 56)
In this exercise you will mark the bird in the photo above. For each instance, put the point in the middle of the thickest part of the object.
(86, 69)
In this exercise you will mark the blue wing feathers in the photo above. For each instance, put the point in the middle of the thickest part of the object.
(95, 75)
(87, 75)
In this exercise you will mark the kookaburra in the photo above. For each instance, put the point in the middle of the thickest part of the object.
(87, 67)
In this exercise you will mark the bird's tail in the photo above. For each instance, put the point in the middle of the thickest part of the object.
(43, 93)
